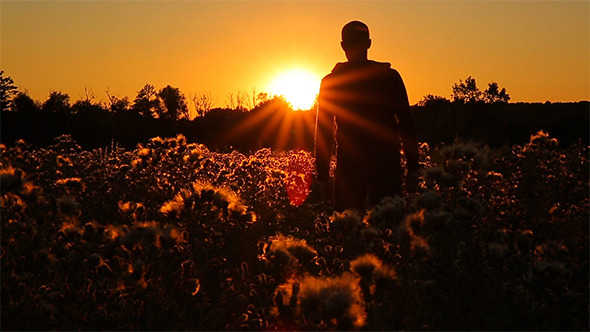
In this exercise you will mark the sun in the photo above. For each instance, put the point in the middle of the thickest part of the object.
(298, 86)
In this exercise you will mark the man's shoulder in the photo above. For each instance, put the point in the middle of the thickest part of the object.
(369, 69)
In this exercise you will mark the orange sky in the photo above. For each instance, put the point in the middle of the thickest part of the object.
(537, 50)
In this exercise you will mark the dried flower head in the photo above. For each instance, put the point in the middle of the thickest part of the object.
(365, 265)
(67, 205)
(390, 212)
(11, 180)
(283, 247)
(346, 220)
(329, 299)
(71, 185)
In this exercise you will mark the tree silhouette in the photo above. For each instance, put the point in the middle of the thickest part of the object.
(7, 90)
(23, 103)
(494, 95)
(57, 103)
(466, 92)
(117, 105)
(86, 107)
(147, 102)
(174, 104)
(203, 103)
(433, 100)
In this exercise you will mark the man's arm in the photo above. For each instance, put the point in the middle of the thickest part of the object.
(324, 137)
(407, 128)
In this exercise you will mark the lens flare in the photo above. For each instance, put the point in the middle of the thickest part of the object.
(299, 87)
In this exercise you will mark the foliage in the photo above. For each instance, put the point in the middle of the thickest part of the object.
(57, 102)
(202, 102)
(147, 102)
(493, 95)
(173, 236)
(468, 92)
(7, 90)
(174, 104)
(24, 104)
(433, 100)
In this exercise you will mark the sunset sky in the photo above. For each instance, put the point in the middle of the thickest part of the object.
(538, 50)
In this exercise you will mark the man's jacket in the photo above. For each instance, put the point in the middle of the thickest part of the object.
(364, 106)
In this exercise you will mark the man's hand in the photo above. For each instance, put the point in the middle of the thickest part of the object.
(412, 180)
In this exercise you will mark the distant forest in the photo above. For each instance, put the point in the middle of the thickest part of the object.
(471, 115)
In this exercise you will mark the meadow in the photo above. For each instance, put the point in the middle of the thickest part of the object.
(173, 236)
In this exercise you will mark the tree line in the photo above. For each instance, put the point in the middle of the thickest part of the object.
(264, 121)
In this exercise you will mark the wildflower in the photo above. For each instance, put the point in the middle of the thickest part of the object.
(332, 299)
(173, 208)
(72, 185)
(222, 198)
(365, 265)
(156, 142)
(113, 232)
(390, 212)
(494, 176)
(11, 180)
(411, 234)
(415, 222)
(467, 207)
(30, 190)
(498, 250)
(169, 237)
(345, 221)
(524, 240)
(63, 162)
(448, 180)
(144, 153)
(195, 153)
(302, 252)
(68, 206)
(285, 247)
(456, 167)
(433, 173)
(430, 201)
(69, 229)
(370, 233)
(541, 140)
(384, 277)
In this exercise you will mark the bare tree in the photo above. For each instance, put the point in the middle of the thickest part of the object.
(230, 101)
(88, 95)
(242, 101)
(203, 102)
(259, 98)
(117, 104)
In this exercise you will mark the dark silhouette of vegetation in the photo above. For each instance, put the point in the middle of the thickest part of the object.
(172, 236)
(174, 104)
(440, 121)
(271, 123)
(7, 90)
(202, 102)
(468, 92)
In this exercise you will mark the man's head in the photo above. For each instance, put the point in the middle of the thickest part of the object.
(355, 40)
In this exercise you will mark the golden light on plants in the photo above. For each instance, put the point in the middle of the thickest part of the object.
(298, 86)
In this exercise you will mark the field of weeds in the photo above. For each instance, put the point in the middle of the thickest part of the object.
(172, 236)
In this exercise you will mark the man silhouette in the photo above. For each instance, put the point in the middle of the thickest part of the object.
(363, 107)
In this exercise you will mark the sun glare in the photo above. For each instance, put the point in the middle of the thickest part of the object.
(298, 86)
